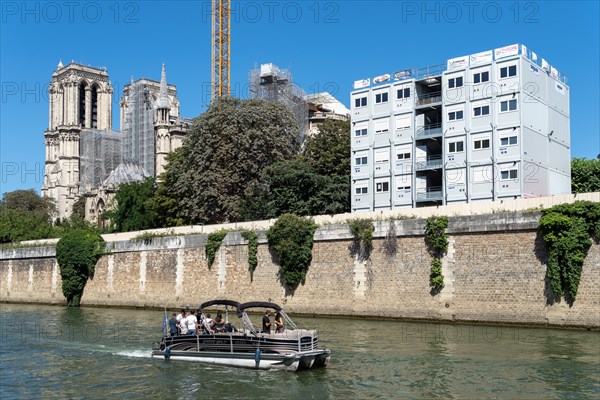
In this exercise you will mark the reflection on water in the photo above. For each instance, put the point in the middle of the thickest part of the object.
(55, 352)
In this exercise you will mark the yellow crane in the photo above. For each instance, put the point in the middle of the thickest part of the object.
(221, 18)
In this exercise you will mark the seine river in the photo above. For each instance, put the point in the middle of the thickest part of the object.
(53, 352)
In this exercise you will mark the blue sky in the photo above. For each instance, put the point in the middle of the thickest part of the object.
(327, 44)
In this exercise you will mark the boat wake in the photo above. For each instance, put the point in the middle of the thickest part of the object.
(135, 353)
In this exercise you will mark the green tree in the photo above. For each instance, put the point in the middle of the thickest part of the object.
(334, 196)
(77, 253)
(289, 187)
(294, 187)
(24, 215)
(27, 200)
(16, 226)
(164, 206)
(78, 213)
(328, 152)
(222, 159)
(133, 212)
(585, 175)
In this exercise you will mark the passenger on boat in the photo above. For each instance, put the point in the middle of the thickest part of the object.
(173, 325)
(218, 325)
(180, 316)
(183, 329)
(279, 323)
(206, 323)
(192, 323)
(266, 322)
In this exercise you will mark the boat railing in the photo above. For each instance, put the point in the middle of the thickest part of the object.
(248, 324)
(288, 320)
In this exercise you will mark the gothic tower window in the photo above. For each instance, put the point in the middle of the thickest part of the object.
(63, 95)
(82, 87)
(95, 106)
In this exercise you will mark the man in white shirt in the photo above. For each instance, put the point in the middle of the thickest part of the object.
(207, 321)
(179, 317)
(192, 323)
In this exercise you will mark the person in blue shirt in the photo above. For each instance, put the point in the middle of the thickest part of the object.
(173, 325)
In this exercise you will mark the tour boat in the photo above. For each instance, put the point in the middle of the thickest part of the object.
(245, 346)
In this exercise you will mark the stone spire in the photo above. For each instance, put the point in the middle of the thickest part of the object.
(163, 99)
(60, 64)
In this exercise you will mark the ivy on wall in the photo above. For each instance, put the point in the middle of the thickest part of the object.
(291, 240)
(390, 244)
(212, 246)
(362, 230)
(436, 240)
(77, 253)
(252, 239)
(567, 231)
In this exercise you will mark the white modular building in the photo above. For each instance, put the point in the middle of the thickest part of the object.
(482, 127)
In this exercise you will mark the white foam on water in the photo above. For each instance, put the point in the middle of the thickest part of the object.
(135, 353)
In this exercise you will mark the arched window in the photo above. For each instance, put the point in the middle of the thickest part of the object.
(95, 106)
(63, 105)
(100, 208)
(81, 119)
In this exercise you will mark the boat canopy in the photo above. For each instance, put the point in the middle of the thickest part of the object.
(258, 304)
(209, 303)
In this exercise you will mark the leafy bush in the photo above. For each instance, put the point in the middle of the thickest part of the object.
(567, 230)
(436, 279)
(252, 239)
(291, 239)
(435, 235)
(77, 253)
(214, 242)
(436, 240)
(362, 230)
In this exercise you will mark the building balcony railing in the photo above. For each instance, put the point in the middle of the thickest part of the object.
(429, 162)
(429, 99)
(433, 70)
(429, 131)
(433, 193)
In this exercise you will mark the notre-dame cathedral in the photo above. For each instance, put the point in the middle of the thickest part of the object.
(85, 158)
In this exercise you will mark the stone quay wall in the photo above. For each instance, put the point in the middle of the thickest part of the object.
(494, 272)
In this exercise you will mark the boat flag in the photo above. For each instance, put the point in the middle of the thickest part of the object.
(165, 323)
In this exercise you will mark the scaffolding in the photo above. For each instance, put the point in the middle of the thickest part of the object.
(137, 146)
(100, 154)
(273, 84)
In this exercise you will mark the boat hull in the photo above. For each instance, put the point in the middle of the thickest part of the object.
(288, 362)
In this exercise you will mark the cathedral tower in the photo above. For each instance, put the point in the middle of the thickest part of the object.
(161, 125)
(80, 97)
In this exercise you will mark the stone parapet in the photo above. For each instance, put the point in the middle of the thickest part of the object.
(495, 272)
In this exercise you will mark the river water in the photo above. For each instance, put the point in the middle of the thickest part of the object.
(95, 353)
